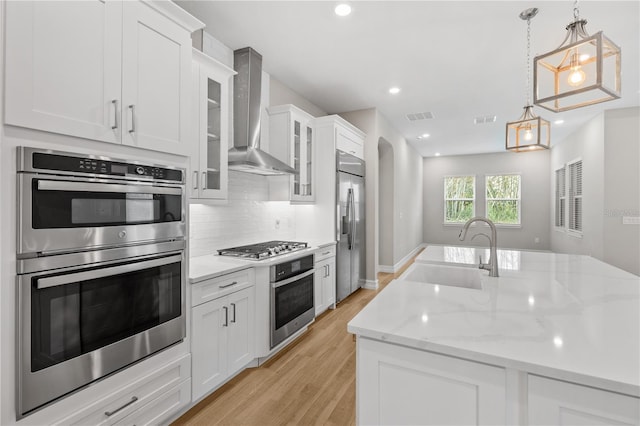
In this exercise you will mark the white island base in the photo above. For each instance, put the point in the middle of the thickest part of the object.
(397, 385)
(554, 342)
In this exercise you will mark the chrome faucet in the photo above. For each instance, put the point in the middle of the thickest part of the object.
(492, 266)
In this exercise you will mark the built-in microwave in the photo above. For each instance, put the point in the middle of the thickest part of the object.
(100, 269)
(72, 201)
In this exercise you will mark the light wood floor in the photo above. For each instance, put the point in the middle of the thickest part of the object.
(312, 381)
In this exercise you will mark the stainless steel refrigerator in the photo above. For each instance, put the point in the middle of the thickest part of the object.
(350, 258)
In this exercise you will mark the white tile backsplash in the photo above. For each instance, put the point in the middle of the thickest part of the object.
(247, 218)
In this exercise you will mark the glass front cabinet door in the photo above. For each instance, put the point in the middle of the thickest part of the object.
(292, 141)
(212, 124)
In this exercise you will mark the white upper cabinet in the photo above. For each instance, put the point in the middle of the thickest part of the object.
(212, 91)
(349, 140)
(291, 139)
(64, 66)
(110, 71)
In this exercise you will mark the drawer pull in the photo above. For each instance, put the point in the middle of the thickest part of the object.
(326, 253)
(111, 413)
(229, 285)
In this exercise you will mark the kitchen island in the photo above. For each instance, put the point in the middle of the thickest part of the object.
(554, 340)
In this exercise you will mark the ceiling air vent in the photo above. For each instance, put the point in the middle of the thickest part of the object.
(417, 116)
(483, 119)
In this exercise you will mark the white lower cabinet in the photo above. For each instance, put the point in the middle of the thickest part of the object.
(223, 334)
(161, 408)
(399, 385)
(153, 398)
(324, 280)
(554, 402)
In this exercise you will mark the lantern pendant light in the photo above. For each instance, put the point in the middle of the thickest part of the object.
(529, 132)
(584, 70)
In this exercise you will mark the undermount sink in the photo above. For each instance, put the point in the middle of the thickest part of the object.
(443, 275)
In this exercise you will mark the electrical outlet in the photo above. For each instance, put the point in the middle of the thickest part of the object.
(277, 223)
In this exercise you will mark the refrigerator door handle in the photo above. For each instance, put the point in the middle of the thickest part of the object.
(348, 218)
(352, 221)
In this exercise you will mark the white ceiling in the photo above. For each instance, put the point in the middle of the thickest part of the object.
(458, 60)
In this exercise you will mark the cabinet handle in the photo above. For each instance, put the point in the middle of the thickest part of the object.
(204, 180)
(326, 253)
(233, 305)
(111, 413)
(115, 114)
(327, 269)
(195, 179)
(226, 316)
(133, 118)
(229, 285)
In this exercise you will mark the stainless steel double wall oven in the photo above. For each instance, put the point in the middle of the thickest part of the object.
(101, 269)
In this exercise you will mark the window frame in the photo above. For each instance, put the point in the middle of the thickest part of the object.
(560, 197)
(571, 197)
(445, 199)
(518, 200)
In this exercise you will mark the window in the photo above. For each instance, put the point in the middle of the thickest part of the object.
(503, 199)
(459, 198)
(575, 196)
(561, 196)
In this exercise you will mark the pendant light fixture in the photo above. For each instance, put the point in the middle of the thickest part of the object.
(584, 70)
(529, 132)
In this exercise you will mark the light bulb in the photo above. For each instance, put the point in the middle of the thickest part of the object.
(576, 76)
(528, 134)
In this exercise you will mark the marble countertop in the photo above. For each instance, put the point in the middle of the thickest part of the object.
(569, 317)
(212, 265)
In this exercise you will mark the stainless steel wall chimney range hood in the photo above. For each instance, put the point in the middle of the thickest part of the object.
(246, 155)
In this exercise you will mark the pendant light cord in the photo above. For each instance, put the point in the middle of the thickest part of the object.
(576, 11)
(528, 88)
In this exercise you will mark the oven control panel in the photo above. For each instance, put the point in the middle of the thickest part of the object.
(76, 164)
(291, 268)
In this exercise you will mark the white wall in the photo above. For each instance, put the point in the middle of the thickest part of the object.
(588, 144)
(281, 95)
(609, 147)
(621, 185)
(386, 202)
(534, 169)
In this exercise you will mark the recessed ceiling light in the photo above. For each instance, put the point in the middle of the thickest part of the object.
(437, 154)
(343, 9)
(424, 136)
(394, 90)
(558, 122)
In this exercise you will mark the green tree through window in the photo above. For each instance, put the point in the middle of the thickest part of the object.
(459, 198)
(503, 199)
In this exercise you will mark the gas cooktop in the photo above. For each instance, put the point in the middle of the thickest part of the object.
(263, 250)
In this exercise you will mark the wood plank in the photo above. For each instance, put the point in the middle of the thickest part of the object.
(312, 381)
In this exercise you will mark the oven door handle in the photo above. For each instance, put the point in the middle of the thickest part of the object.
(292, 279)
(105, 272)
(53, 185)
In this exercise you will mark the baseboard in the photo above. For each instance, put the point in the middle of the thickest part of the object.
(370, 284)
(395, 268)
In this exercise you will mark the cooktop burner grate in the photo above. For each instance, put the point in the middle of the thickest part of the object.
(263, 250)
